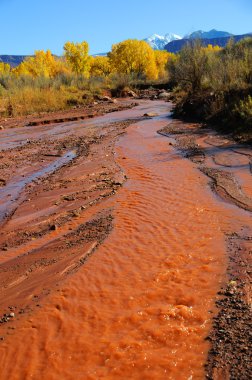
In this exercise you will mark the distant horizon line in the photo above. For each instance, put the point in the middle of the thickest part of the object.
(140, 39)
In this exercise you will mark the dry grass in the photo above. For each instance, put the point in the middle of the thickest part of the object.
(29, 100)
(24, 96)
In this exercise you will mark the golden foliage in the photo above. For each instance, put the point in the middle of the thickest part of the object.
(42, 64)
(100, 66)
(76, 55)
(4, 68)
(211, 49)
(134, 57)
(162, 57)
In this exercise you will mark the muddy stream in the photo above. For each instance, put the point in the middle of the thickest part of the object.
(142, 304)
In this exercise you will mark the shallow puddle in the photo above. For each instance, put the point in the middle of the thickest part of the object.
(9, 195)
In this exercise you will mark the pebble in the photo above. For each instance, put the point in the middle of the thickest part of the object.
(150, 114)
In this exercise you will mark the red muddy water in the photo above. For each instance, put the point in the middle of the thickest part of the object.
(142, 305)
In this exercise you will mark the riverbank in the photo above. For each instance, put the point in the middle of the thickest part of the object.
(83, 112)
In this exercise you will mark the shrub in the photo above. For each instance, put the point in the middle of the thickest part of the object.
(214, 84)
(244, 110)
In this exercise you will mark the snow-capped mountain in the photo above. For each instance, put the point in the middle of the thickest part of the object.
(158, 42)
(211, 34)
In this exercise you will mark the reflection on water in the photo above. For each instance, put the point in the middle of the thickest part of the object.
(9, 194)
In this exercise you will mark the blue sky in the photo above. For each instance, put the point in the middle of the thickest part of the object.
(30, 25)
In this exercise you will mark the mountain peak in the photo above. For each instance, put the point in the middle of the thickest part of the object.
(213, 33)
(158, 42)
(155, 36)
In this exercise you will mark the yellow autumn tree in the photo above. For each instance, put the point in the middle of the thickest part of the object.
(134, 57)
(211, 48)
(77, 57)
(43, 63)
(100, 66)
(4, 68)
(162, 57)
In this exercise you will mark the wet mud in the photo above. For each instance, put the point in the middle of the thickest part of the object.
(76, 113)
(228, 165)
(114, 250)
(44, 233)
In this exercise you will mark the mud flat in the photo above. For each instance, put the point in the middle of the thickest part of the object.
(114, 250)
(49, 183)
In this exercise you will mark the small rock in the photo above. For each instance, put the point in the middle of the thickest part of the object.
(164, 95)
(12, 315)
(2, 182)
(68, 198)
(107, 99)
(132, 94)
(150, 114)
(53, 227)
(1, 127)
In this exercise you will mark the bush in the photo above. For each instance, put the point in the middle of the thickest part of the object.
(244, 110)
(214, 85)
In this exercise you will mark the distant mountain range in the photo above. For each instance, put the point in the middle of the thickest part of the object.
(176, 46)
(213, 37)
(170, 42)
(13, 60)
(158, 42)
(211, 34)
